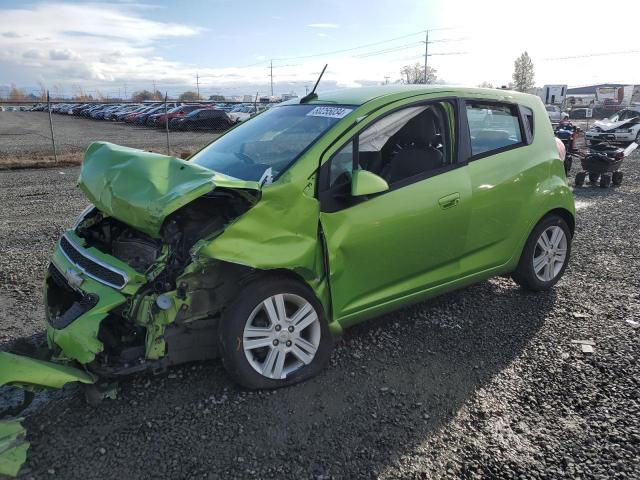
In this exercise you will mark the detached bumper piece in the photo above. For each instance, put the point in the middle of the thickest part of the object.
(13, 447)
(28, 373)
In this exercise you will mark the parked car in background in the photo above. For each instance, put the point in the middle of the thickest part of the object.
(577, 113)
(202, 119)
(555, 113)
(241, 113)
(159, 119)
(623, 126)
(131, 118)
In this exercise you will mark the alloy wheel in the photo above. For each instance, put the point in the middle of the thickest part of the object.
(550, 253)
(281, 335)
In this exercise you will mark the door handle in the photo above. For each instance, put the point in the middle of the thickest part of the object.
(449, 201)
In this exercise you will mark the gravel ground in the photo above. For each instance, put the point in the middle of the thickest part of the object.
(480, 383)
(24, 134)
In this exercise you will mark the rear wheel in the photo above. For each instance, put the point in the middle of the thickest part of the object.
(274, 334)
(545, 255)
(605, 180)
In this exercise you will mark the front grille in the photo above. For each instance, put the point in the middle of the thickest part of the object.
(92, 267)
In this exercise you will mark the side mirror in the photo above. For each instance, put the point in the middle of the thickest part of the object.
(364, 182)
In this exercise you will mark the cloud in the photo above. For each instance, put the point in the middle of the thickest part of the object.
(86, 42)
(32, 54)
(65, 54)
(323, 25)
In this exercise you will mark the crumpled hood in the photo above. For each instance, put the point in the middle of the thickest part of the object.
(607, 125)
(142, 188)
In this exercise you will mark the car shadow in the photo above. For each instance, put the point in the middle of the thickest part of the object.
(393, 382)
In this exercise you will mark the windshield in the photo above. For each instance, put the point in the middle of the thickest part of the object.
(265, 146)
(623, 115)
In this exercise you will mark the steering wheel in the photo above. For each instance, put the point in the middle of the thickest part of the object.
(245, 158)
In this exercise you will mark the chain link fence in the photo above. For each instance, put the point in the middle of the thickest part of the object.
(58, 133)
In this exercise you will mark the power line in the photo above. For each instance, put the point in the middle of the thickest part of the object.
(388, 50)
(589, 55)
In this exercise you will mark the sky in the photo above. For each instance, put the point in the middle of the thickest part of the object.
(227, 46)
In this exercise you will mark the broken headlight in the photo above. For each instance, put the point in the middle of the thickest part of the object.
(88, 209)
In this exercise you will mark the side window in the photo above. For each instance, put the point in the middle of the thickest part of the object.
(401, 147)
(408, 143)
(492, 126)
(341, 167)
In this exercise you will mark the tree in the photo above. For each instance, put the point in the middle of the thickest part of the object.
(217, 98)
(142, 96)
(523, 74)
(189, 97)
(16, 94)
(486, 84)
(415, 74)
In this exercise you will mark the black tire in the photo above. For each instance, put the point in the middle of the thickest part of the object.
(593, 177)
(524, 274)
(235, 317)
(580, 179)
(605, 180)
(617, 178)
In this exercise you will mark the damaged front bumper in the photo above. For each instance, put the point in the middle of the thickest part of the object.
(82, 286)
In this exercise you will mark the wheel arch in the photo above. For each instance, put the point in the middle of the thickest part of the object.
(563, 213)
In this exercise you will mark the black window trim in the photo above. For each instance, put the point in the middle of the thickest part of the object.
(484, 101)
(531, 131)
(327, 202)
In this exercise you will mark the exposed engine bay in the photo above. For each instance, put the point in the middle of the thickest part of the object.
(172, 318)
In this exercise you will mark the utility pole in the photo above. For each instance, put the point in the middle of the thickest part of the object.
(386, 80)
(271, 75)
(426, 54)
(125, 91)
(198, 84)
(306, 89)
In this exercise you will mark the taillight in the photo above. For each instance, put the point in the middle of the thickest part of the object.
(562, 151)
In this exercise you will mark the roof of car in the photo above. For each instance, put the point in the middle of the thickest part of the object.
(361, 95)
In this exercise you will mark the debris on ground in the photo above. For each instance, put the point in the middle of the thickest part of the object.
(13, 446)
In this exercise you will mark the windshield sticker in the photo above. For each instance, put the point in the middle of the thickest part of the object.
(330, 112)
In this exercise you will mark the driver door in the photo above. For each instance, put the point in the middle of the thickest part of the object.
(389, 248)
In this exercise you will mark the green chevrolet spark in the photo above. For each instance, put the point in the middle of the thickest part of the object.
(306, 219)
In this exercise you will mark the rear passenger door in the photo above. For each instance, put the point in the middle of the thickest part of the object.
(503, 178)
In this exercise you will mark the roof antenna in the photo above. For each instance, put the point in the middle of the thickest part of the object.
(313, 95)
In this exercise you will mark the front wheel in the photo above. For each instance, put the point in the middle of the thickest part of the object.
(274, 334)
(545, 255)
